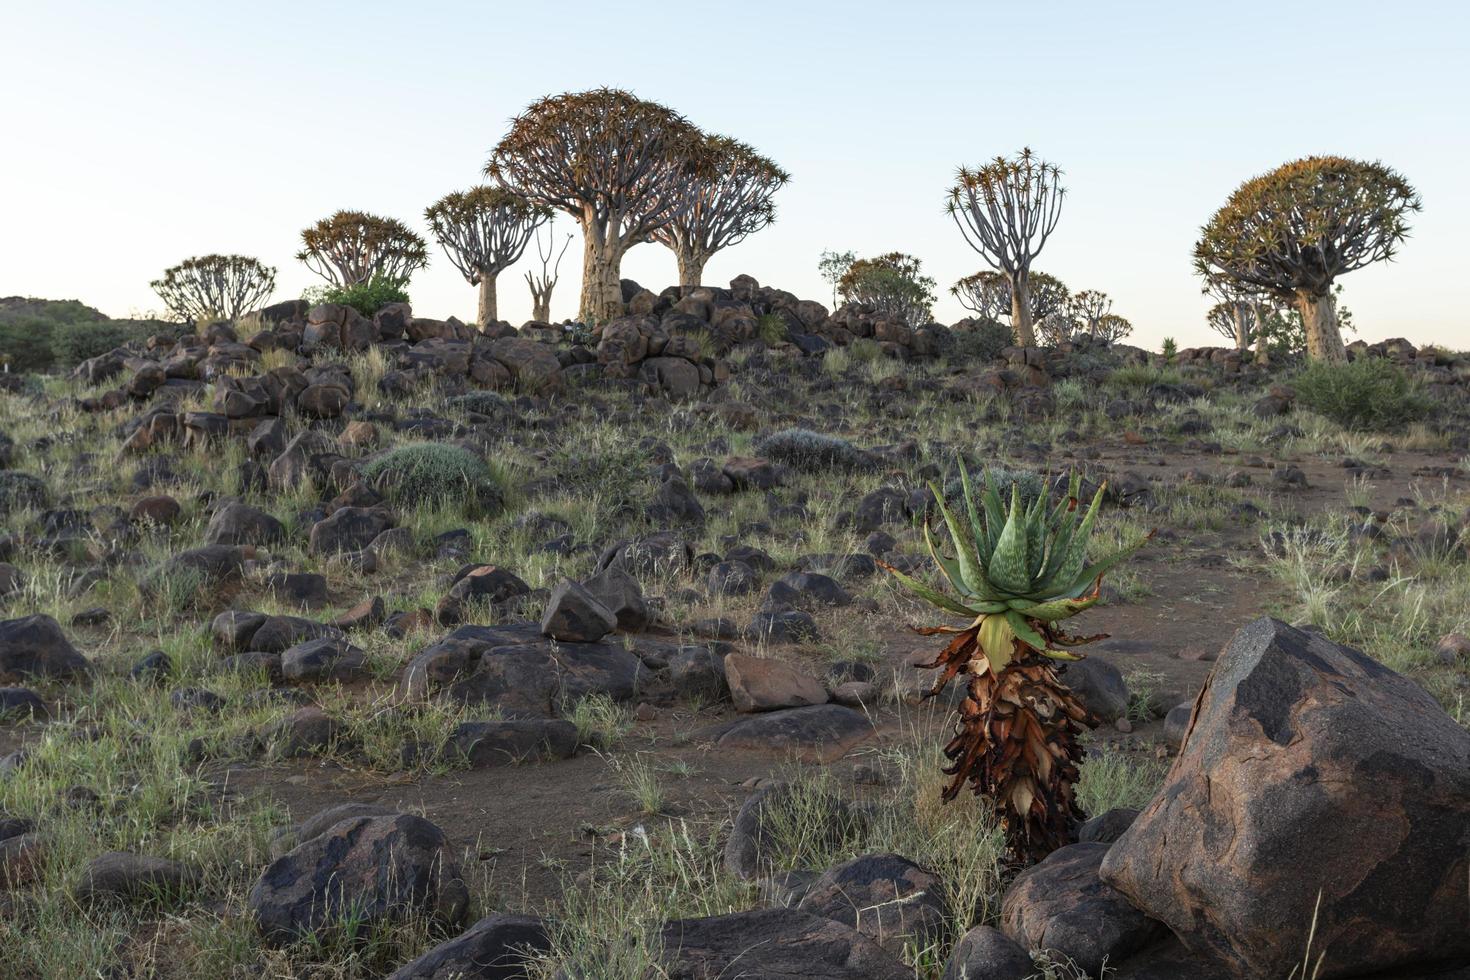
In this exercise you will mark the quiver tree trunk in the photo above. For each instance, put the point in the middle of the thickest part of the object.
(1242, 328)
(691, 267)
(1021, 312)
(1319, 321)
(602, 290)
(487, 300)
(541, 304)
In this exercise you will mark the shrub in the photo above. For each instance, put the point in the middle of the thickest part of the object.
(983, 343)
(892, 284)
(1367, 393)
(1003, 478)
(73, 343)
(26, 343)
(480, 403)
(810, 452)
(19, 491)
(437, 473)
(1137, 378)
(366, 298)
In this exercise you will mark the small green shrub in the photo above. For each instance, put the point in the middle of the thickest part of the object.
(1367, 393)
(812, 452)
(1003, 478)
(984, 343)
(26, 343)
(73, 343)
(436, 473)
(480, 403)
(863, 350)
(1137, 378)
(366, 298)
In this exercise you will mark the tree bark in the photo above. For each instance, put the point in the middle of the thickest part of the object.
(602, 291)
(541, 305)
(691, 268)
(1021, 313)
(487, 300)
(1319, 320)
(1242, 340)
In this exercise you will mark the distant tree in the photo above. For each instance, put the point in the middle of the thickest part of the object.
(484, 231)
(985, 294)
(225, 286)
(892, 284)
(621, 166)
(1055, 328)
(1087, 307)
(1049, 295)
(833, 266)
(1006, 210)
(1293, 231)
(733, 200)
(351, 248)
(543, 282)
(1112, 328)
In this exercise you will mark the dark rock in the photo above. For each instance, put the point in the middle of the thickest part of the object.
(329, 658)
(347, 529)
(376, 869)
(774, 944)
(495, 948)
(1061, 904)
(887, 898)
(501, 743)
(985, 953)
(574, 615)
(131, 878)
(35, 646)
(1107, 827)
(20, 703)
(1099, 686)
(620, 593)
(821, 732)
(237, 523)
(1310, 769)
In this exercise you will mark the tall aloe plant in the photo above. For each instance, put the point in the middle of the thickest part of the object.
(1015, 574)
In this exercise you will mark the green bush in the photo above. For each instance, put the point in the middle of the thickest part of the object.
(984, 343)
(73, 343)
(812, 452)
(772, 329)
(1003, 478)
(366, 298)
(437, 473)
(1367, 393)
(480, 403)
(25, 343)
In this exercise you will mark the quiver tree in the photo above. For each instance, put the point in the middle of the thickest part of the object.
(1087, 308)
(484, 231)
(621, 166)
(225, 286)
(543, 282)
(1112, 328)
(1055, 328)
(1293, 231)
(1006, 210)
(351, 248)
(892, 284)
(985, 294)
(732, 200)
(1050, 297)
(1235, 321)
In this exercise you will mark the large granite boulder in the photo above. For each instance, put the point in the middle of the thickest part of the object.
(1309, 768)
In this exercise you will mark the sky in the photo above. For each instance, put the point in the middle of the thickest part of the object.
(140, 134)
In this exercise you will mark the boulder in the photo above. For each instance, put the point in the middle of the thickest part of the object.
(1099, 686)
(122, 877)
(501, 743)
(495, 948)
(35, 646)
(1061, 904)
(885, 897)
(817, 733)
(1309, 769)
(764, 684)
(237, 523)
(774, 944)
(986, 953)
(377, 869)
(621, 594)
(574, 615)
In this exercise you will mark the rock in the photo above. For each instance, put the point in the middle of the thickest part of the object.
(807, 590)
(159, 510)
(821, 733)
(674, 503)
(885, 897)
(155, 668)
(279, 633)
(237, 523)
(20, 704)
(784, 626)
(1176, 724)
(620, 593)
(329, 658)
(764, 684)
(697, 672)
(1309, 768)
(1061, 904)
(755, 843)
(233, 629)
(1107, 827)
(1099, 686)
(574, 615)
(35, 646)
(367, 614)
(299, 589)
(1452, 649)
(495, 948)
(501, 743)
(856, 694)
(732, 578)
(22, 857)
(985, 953)
(347, 529)
(377, 869)
(305, 732)
(773, 944)
(489, 584)
(123, 877)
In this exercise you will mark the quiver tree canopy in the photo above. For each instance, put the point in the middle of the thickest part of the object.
(1006, 210)
(484, 231)
(734, 188)
(892, 284)
(1293, 231)
(986, 294)
(620, 165)
(226, 286)
(352, 247)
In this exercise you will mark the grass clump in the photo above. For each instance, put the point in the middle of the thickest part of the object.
(21, 491)
(1368, 393)
(812, 452)
(437, 474)
(772, 329)
(480, 403)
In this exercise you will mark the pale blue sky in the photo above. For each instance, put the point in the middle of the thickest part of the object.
(139, 134)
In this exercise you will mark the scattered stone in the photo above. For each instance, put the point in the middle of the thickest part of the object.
(885, 897)
(774, 944)
(35, 646)
(499, 743)
(573, 615)
(495, 948)
(985, 953)
(131, 878)
(764, 684)
(819, 733)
